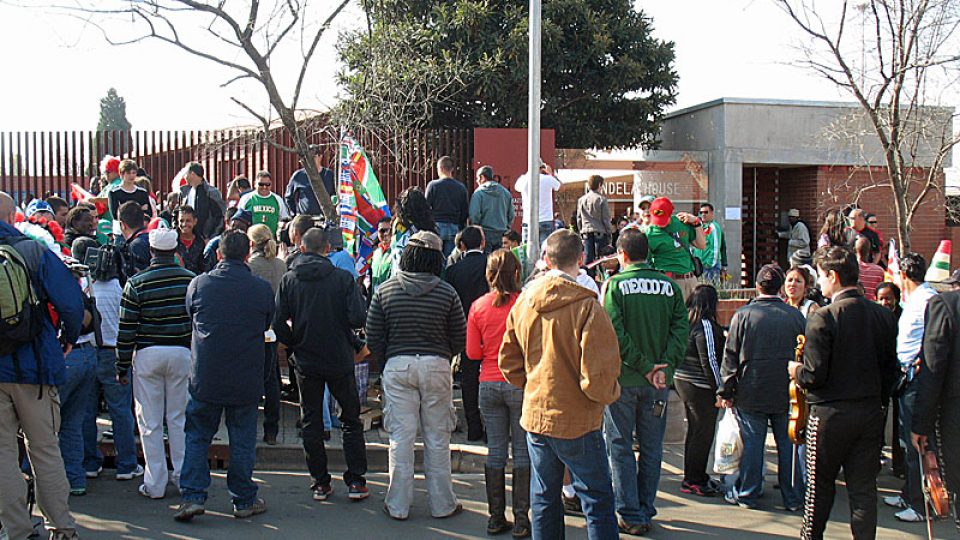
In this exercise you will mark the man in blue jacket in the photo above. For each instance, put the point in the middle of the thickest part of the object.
(231, 309)
(28, 392)
(300, 197)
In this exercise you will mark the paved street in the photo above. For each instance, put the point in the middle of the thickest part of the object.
(114, 510)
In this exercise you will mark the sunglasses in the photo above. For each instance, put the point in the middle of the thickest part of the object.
(704, 211)
(261, 184)
(383, 231)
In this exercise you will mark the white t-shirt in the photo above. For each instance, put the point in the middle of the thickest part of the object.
(548, 184)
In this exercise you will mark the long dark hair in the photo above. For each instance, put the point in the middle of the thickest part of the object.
(503, 275)
(413, 209)
(702, 304)
(423, 260)
(834, 225)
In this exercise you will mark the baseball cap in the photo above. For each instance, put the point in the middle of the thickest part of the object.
(38, 205)
(163, 239)
(660, 211)
(771, 274)
(646, 199)
(243, 215)
(427, 240)
(793, 212)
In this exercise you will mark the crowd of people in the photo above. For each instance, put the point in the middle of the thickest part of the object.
(173, 315)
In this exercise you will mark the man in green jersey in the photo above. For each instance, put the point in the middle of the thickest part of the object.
(650, 320)
(670, 238)
(266, 206)
(714, 255)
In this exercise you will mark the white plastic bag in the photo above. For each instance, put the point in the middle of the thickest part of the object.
(729, 445)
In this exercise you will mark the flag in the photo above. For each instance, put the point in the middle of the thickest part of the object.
(361, 204)
(79, 194)
(892, 273)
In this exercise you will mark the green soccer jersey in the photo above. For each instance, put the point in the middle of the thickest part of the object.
(670, 246)
(267, 210)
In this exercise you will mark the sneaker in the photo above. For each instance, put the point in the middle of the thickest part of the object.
(639, 529)
(188, 511)
(909, 515)
(94, 474)
(700, 490)
(136, 473)
(734, 500)
(358, 492)
(143, 491)
(895, 501)
(78, 492)
(259, 506)
(322, 492)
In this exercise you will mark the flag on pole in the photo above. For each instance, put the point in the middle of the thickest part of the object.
(362, 203)
(892, 273)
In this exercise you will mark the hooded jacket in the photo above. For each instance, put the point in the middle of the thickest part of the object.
(415, 313)
(560, 348)
(491, 207)
(324, 306)
(230, 309)
(53, 281)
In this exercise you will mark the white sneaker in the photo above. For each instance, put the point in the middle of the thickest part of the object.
(909, 515)
(136, 473)
(895, 501)
(94, 474)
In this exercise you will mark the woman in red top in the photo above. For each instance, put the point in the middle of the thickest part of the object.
(500, 402)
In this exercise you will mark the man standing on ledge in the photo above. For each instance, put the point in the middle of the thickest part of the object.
(670, 238)
(300, 196)
(447, 197)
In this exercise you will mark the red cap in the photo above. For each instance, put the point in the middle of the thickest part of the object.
(660, 211)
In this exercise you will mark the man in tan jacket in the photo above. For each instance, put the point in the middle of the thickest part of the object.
(550, 330)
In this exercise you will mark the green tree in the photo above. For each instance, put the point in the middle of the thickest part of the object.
(606, 79)
(113, 118)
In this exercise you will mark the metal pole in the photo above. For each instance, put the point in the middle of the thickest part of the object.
(533, 137)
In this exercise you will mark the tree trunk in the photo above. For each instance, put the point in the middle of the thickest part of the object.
(303, 150)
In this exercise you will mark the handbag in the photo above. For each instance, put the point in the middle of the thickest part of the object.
(697, 263)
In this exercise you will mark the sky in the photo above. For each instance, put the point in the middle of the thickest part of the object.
(58, 68)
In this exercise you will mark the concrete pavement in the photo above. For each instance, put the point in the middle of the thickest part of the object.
(114, 510)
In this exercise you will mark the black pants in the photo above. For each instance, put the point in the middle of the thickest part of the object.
(701, 409)
(271, 392)
(470, 391)
(344, 390)
(949, 441)
(843, 434)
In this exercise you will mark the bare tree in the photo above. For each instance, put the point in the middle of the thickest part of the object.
(896, 58)
(243, 37)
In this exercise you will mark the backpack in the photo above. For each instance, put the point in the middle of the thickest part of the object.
(21, 307)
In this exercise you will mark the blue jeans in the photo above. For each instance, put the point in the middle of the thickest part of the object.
(591, 480)
(636, 480)
(546, 229)
(912, 491)
(753, 430)
(330, 419)
(74, 397)
(500, 405)
(448, 233)
(119, 398)
(203, 419)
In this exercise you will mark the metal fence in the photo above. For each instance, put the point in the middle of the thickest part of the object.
(42, 163)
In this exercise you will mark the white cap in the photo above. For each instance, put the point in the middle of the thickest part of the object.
(163, 239)
(793, 212)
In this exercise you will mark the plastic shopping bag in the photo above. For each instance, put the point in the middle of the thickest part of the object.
(729, 446)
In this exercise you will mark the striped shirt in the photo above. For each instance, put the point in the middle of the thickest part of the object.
(415, 314)
(153, 310)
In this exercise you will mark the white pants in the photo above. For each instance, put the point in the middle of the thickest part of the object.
(160, 388)
(418, 389)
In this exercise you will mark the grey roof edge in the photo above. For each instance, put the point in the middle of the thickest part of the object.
(772, 102)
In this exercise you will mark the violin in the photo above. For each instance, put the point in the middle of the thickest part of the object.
(799, 410)
(933, 487)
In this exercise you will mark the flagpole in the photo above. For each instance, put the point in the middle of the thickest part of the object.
(533, 136)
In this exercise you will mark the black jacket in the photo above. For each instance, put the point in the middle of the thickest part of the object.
(761, 341)
(469, 278)
(701, 364)
(324, 305)
(851, 351)
(939, 379)
(209, 206)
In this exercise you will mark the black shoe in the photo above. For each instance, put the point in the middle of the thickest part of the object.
(327, 435)
(476, 436)
(270, 439)
(571, 506)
